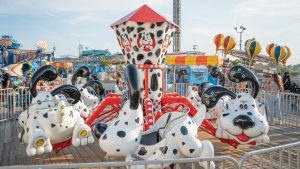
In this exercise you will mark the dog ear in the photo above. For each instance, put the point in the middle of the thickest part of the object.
(132, 78)
(202, 87)
(69, 91)
(241, 74)
(152, 35)
(96, 85)
(211, 96)
(83, 71)
(47, 73)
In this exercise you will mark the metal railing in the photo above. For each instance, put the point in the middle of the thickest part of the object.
(284, 156)
(222, 162)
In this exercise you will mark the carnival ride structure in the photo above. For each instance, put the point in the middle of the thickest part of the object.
(152, 124)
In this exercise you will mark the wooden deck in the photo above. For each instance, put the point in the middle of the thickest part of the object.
(12, 152)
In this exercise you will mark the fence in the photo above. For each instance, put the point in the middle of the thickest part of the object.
(222, 162)
(284, 156)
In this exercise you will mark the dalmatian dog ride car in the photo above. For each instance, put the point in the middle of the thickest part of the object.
(51, 119)
(174, 135)
(241, 119)
(88, 101)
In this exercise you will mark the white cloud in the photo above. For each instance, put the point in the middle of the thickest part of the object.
(268, 7)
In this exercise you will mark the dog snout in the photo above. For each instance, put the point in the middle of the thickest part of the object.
(243, 121)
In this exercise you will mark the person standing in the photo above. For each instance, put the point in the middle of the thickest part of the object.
(26, 82)
(274, 85)
(287, 81)
(6, 82)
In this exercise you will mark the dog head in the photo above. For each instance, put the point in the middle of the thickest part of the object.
(240, 119)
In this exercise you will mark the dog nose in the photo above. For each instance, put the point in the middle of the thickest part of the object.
(243, 121)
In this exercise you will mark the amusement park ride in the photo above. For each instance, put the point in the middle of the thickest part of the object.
(151, 124)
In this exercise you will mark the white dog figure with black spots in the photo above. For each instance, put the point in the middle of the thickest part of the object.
(51, 119)
(88, 102)
(173, 136)
(149, 40)
(241, 119)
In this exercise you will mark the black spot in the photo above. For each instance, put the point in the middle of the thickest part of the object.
(66, 127)
(117, 32)
(158, 74)
(85, 110)
(173, 134)
(159, 23)
(60, 125)
(118, 150)
(34, 117)
(136, 140)
(157, 53)
(159, 95)
(134, 35)
(183, 130)
(175, 151)
(189, 122)
(23, 121)
(183, 143)
(167, 28)
(139, 29)
(104, 137)
(261, 121)
(123, 51)
(149, 54)
(133, 61)
(45, 115)
(116, 123)
(129, 29)
(148, 62)
(27, 129)
(152, 26)
(135, 48)
(239, 96)
(163, 149)
(140, 57)
(125, 113)
(253, 105)
(49, 105)
(123, 29)
(140, 23)
(154, 82)
(121, 133)
(53, 125)
(142, 151)
(71, 114)
(249, 113)
(160, 41)
(37, 127)
(128, 56)
(137, 120)
(163, 60)
(126, 123)
(159, 33)
(192, 150)
(235, 110)
(225, 114)
(47, 96)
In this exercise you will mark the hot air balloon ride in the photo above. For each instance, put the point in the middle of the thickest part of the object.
(218, 40)
(228, 44)
(253, 48)
(277, 53)
(287, 56)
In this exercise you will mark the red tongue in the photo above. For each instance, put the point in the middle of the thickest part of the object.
(243, 137)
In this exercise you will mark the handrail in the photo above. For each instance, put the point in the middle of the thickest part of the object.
(266, 150)
(126, 163)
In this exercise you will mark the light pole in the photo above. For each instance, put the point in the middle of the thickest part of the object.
(240, 31)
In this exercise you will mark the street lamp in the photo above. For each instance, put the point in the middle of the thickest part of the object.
(240, 31)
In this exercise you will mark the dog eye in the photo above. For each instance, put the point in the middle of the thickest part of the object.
(245, 106)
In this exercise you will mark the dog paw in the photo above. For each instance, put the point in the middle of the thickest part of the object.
(82, 135)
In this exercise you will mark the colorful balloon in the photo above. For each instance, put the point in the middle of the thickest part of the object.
(269, 47)
(278, 53)
(288, 54)
(219, 39)
(246, 42)
(229, 43)
(253, 48)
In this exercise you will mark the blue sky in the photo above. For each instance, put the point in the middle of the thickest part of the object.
(66, 23)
